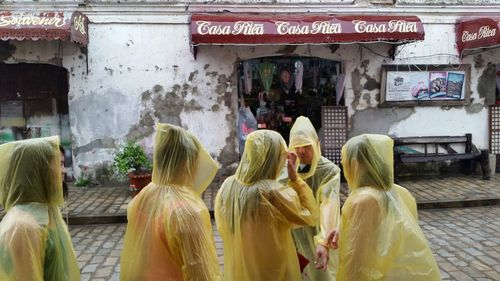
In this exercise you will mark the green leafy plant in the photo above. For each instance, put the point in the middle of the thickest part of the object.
(85, 178)
(131, 157)
(82, 181)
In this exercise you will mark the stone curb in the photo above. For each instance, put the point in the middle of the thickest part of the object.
(458, 203)
(83, 220)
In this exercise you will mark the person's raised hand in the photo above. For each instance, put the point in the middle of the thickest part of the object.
(292, 165)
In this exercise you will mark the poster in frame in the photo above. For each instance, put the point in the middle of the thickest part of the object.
(424, 85)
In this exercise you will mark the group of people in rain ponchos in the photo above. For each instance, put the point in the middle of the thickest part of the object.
(278, 216)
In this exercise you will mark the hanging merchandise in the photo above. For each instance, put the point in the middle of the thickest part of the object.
(285, 77)
(299, 74)
(314, 66)
(264, 113)
(274, 95)
(246, 123)
(340, 88)
(247, 73)
(266, 73)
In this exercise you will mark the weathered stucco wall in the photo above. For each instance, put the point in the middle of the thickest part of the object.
(187, 2)
(439, 48)
(447, 2)
(141, 72)
(138, 76)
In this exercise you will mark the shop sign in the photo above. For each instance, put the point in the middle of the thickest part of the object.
(475, 33)
(293, 29)
(44, 25)
(13, 21)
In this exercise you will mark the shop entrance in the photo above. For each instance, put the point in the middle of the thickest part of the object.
(34, 103)
(274, 91)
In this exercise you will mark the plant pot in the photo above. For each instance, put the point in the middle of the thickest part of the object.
(138, 181)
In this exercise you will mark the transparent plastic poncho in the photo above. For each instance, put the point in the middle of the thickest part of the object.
(255, 214)
(324, 179)
(169, 234)
(34, 240)
(380, 238)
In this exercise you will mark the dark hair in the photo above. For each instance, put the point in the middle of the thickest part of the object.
(64, 185)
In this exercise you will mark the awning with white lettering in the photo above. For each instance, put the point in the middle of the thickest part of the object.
(17, 25)
(473, 33)
(271, 29)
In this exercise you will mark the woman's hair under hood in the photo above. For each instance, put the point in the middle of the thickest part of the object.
(32, 172)
(175, 156)
(263, 157)
(367, 161)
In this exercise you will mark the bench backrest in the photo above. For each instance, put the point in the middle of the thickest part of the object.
(437, 140)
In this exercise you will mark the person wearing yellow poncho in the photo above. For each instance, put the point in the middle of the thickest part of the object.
(169, 235)
(255, 213)
(324, 179)
(379, 237)
(35, 244)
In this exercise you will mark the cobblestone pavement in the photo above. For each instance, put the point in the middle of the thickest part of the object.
(112, 201)
(465, 242)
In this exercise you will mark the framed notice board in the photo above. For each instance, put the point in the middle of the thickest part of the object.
(426, 85)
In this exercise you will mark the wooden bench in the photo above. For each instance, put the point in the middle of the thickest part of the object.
(435, 149)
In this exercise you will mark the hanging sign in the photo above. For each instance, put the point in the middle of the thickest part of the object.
(44, 25)
(475, 33)
(240, 29)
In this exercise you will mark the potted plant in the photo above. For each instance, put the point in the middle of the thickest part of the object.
(131, 160)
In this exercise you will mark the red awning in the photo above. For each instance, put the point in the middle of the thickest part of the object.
(477, 32)
(253, 29)
(44, 25)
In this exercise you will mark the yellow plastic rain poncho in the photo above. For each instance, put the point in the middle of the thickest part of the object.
(324, 179)
(380, 238)
(255, 213)
(34, 240)
(169, 235)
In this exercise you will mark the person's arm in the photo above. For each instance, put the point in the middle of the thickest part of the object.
(295, 202)
(328, 198)
(220, 220)
(408, 200)
(329, 208)
(195, 243)
(23, 252)
(360, 239)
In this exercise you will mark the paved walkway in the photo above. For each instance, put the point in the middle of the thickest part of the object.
(465, 242)
(102, 204)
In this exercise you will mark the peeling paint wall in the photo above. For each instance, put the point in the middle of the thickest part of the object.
(447, 2)
(138, 78)
(138, 75)
(439, 48)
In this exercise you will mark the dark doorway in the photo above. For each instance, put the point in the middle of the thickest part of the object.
(34, 103)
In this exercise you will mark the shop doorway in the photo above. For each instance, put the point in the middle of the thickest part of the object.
(34, 103)
(274, 91)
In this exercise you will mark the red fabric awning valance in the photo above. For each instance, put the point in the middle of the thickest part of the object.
(477, 32)
(254, 29)
(18, 25)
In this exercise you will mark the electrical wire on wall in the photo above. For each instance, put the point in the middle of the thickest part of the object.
(412, 57)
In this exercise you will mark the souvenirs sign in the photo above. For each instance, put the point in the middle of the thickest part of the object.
(474, 33)
(44, 25)
(236, 29)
